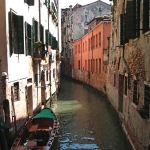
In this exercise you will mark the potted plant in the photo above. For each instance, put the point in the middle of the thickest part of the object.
(57, 55)
(37, 49)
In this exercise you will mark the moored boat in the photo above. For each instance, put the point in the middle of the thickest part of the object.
(38, 133)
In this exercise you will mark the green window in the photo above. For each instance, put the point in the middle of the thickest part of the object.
(28, 39)
(16, 34)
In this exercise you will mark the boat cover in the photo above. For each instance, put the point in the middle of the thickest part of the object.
(45, 113)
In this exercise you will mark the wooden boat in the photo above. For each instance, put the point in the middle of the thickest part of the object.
(38, 132)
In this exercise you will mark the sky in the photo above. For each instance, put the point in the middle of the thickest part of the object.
(67, 3)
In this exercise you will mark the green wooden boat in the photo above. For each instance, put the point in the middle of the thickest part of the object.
(38, 133)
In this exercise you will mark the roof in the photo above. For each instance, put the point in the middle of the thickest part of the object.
(78, 5)
(45, 113)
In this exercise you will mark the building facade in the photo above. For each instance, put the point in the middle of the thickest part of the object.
(74, 27)
(29, 45)
(91, 55)
(128, 80)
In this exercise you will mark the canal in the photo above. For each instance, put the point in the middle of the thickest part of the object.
(86, 120)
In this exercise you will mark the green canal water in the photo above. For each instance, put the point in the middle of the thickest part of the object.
(86, 120)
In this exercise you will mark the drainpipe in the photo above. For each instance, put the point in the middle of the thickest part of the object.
(92, 51)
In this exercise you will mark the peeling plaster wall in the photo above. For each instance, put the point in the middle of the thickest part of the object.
(135, 66)
(92, 10)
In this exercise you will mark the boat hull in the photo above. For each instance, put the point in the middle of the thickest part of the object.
(38, 133)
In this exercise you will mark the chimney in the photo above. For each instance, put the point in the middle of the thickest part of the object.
(70, 9)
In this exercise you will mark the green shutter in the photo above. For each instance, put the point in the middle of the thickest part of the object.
(46, 36)
(30, 2)
(146, 15)
(121, 29)
(136, 16)
(50, 39)
(29, 39)
(32, 40)
(20, 35)
(46, 3)
(10, 32)
(33, 29)
(26, 39)
(129, 21)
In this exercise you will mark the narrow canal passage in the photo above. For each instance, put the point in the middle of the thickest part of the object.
(87, 121)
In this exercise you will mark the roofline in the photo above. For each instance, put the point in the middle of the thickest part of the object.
(102, 22)
(90, 3)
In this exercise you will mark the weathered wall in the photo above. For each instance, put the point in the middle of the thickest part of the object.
(134, 64)
(92, 10)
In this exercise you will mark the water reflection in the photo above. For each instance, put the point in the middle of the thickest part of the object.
(87, 121)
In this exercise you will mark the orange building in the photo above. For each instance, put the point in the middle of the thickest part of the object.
(90, 56)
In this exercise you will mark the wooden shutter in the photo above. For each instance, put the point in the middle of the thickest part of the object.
(46, 36)
(32, 40)
(10, 32)
(129, 21)
(20, 35)
(41, 34)
(29, 39)
(121, 29)
(46, 3)
(33, 34)
(146, 15)
(49, 39)
(136, 9)
(30, 2)
(26, 38)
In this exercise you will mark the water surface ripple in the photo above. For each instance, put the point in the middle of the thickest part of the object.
(86, 120)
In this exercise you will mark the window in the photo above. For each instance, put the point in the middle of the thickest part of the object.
(146, 107)
(79, 49)
(99, 65)
(93, 41)
(53, 73)
(146, 15)
(46, 75)
(75, 49)
(100, 39)
(93, 65)
(36, 79)
(96, 65)
(65, 31)
(35, 30)
(125, 85)
(89, 44)
(16, 36)
(135, 93)
(83, 47)
(29, 2)
(86, 65)
(130, 21)
(16, 91)
(121, 29)
(96, 40)
(85, 18)
(28, 39)
(78, 64)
